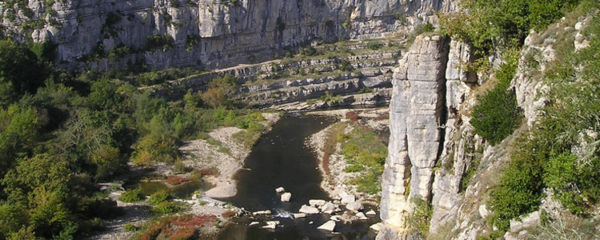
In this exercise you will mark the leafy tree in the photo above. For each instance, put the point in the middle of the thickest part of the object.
(20, 71)
(18, 134)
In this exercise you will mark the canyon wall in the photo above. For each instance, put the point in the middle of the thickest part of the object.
(205, 33)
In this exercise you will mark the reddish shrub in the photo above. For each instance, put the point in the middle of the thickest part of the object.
(209, 172)
(381, 117)
(154, 230)
(193, 221)
(229, 214)
(175, 180)
(183, 234)
(352, 116)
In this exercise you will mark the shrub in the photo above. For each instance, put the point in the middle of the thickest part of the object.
(229, 214)
(130, 227)
(130, 196)
(167, 207)
(159, 197)
(496, 114)
(421, 216)
(352, 116)
(176, 180)
(521, 186)
(154, 42)
(374, 45)
(183, 234)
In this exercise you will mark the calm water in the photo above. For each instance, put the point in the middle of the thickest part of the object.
(281, 158)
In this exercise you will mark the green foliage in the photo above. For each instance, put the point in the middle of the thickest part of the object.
(521, 185)
(419, 220)
(159, 42)
(497, 114)
(20, 71)
(505, 23)
(167, 207)
(374, 45)
(365, 152)
(133, 195)
(159, 197)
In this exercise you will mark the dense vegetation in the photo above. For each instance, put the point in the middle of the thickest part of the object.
(61, 133)
(560, 152)
(496, 113)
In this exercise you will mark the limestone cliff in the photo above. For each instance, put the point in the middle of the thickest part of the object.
(434, 153)
(417, 115)
(202, 32)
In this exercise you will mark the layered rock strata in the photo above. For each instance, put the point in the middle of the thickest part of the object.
(203, 32)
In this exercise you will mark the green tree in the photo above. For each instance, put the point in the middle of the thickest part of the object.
(20, 71)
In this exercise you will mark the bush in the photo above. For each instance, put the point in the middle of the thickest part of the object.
(496, 113)
(167, 207)
(159, 197)
(130, 227)
(130, 196)
(374, 45)
(419, 220)
(521, 186)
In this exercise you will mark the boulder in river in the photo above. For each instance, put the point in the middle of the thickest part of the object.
(361, 216)
(354, 206)
(285, 197)
(299, 215)
(279, 190)
(347, 198)
(308, 210)
(329, 208)
(271, 225)
(376, 227)
(265, 212)
(316, 203)
(328, 226)
(371, 213)
(253, 223)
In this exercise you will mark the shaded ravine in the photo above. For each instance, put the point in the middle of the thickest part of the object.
(281, 158)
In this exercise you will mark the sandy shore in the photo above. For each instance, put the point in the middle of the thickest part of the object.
(226, 154)
(335, 183)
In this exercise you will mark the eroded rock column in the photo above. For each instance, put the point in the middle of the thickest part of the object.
(417, 112)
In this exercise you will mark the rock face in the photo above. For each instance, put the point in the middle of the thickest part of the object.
(207, 32)
(417, 112)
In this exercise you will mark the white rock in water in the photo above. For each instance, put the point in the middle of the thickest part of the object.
(316, 202)
(376, 227)
(308, 210)
(311, 222)
(285, 197)
(328, 208)
(279, 189)
(336, 218)
(271, 225)
(371, 213)
(347, 198)
(265, 212)
(328, 226)
(361, 216)
(299, 215)
(253, 223)
(354, 206)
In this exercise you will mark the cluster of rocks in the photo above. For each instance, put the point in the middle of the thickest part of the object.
(345, 208)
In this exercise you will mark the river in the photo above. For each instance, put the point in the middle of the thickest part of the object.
(281, 158)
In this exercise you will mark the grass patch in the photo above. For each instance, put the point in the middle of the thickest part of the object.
(364, 151)
(131, 196)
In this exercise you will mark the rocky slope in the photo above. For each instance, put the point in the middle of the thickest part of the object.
(434, 154)
(202, 32)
